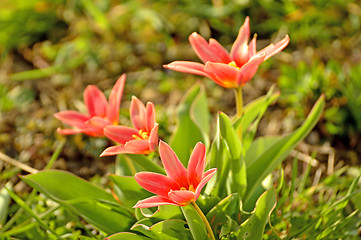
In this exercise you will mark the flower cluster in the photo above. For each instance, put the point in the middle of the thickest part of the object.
(181, 186)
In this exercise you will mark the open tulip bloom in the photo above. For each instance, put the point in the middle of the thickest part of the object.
(181, 186)
(142, 139)
(229, 70)
(101, 113)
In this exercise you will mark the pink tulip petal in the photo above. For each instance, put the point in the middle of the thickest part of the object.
(97, 123)
(137, 147)
(249, 69)
(203, 50)
(68, 131)
(253, 63)
(196, 164)
(181, 197)
(73, 118)
(95, 101)
(115, 98)
(150, 116)
(221, 52)
(271, 49)
(120, 134)
(252, 47)
(205, 178)
(223, 74)
(114, 150)
(239, 51)
(137, 113)
(154, 202)
(153, 138)
(156, 183)
(187, 67)
(173, 167)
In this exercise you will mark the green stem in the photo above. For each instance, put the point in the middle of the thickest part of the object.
(208, 226)
(130, 164)
(239, 105)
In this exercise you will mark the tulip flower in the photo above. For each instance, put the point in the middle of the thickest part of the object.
(181, 186)
(142, 139)
(229, 70)
(101, 113)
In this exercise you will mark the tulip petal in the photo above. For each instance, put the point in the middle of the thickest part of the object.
(120, 134)
(221, 52)
(153, 138)
(68, 131)
(73, 118)
(239, 51)
(196, 164)
(150, 116)
(187, 67)
(205, 178)
(115, 98)
(181, 197)
(173, 167)
(137, 147)
(156, 183)
(95, 101)
(154, 202)
(137, 114)
(252, 47)
(249, 69)
(205, 51)
(223, 74)
(271, 49)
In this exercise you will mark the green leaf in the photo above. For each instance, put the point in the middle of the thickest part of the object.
(92, 203)
(253, 227)
(29, 211)
(172, 229)
(264, 163)
(192, 125)
(126, 236)
(234, 146)
(145, 163)
(195, 223)
(219, 214)
(128, 190)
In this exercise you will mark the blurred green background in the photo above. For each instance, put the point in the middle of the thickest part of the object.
(52, 49)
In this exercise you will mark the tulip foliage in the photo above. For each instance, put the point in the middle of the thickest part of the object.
(209, 180)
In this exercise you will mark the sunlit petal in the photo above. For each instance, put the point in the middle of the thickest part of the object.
(196, 164)
(120, 134)
(95, 101)
(173, 167)
(114, 100)
(205, 178)
(154, 202)
(181, 197)
(187, 67)
(156, 183)
(73, 118)
(137, 113)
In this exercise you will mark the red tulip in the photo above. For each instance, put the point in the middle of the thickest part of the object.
(100, 112)
(142, 139)
(229, 70)
(181, 186)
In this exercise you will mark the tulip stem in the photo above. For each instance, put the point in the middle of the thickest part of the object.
(239, 105)
(208, 226)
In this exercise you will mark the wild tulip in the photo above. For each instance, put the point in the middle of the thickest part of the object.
(101, 113)
(181, 186)
(142, 139)
(229, 70)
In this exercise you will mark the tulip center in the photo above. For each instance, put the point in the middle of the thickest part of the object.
(233, 64)
(143, 135)
(191, 188)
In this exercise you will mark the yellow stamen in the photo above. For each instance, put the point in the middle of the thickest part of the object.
(233, 64)
(191, 188)
(143, 135)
